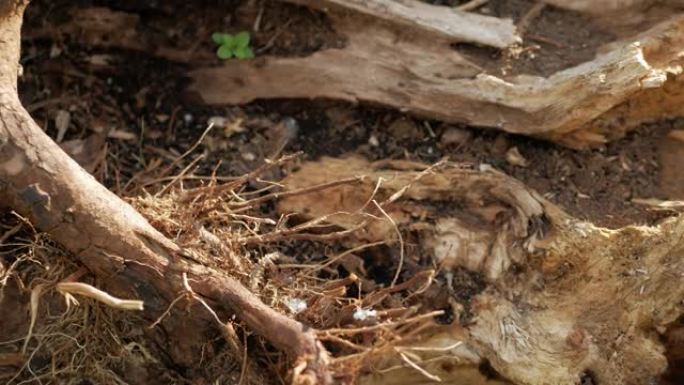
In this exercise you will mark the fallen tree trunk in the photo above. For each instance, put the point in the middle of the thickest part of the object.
(108, 236)
(401, 54)
(425, 76)
(564, 300)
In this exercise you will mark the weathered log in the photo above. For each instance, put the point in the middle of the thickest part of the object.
(399, 54)
(107, 235)
(398, 65)
(564, 298)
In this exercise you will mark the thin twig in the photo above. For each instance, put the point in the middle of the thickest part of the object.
(91, 292)
(344, 342)
(300, 191)
(179, 176)
(167, 311)
(186, 285)
(243, 367)
(400, 265)
(471, 5)
(294, 234)
(345, 253)
(544, 39)
(364, 329)
(434, 359)
(11, 232)
(399, 193)
(420, 370)
(190, 194)
(173, 164)
(529, 16)
(429, 348)
(193, 147)
(35, 300)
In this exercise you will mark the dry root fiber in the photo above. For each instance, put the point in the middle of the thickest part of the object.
(52, 333)
(409, 273)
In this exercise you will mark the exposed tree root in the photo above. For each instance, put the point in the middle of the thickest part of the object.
(564, 298)
(108, 236)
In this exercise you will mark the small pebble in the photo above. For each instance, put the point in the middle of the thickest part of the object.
(515, 158)
(453, 136)
(217, 121)
(373, 141)
(364, 314)
(188, 118)
(296, 305)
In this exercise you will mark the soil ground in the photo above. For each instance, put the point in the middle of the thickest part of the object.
(141, 99)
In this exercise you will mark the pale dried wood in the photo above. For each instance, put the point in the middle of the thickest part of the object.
(599, 6)
(564, 297)
(422, 18)
(471, 5)
(429, 79)
(409, 69)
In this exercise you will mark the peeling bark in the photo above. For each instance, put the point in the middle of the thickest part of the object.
(427, 19)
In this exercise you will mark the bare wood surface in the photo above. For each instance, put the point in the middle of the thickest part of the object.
(564, 297)
(599, 6)
(408, 68)
(422, 18)
(431, 80)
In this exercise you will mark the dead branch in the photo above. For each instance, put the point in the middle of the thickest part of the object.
(600, 6)
(399, 54)
(428, 78)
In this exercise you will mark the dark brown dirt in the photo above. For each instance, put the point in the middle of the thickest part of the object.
(554, 40)
(140, 99)
(139, 94)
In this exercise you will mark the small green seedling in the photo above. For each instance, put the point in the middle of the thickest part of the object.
(233, 45)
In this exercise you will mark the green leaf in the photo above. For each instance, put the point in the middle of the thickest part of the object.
(217, 37)
(229, 40)
(244, 53)
(224, 52)
(221, 38)
(242, 39)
